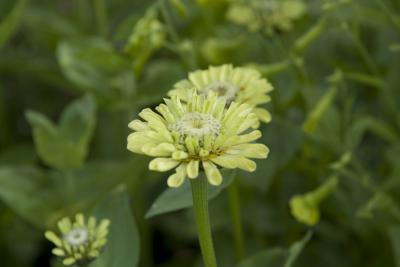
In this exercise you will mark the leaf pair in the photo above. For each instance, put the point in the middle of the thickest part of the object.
(65, 146)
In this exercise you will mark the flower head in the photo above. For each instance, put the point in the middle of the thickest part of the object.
(305, 208)
(80, 242)
(241, 85)
(267, 15)
(201, 134)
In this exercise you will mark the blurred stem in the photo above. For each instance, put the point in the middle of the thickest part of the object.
(5, 133)
(101, 17)
(176, 41)
(364, 52)
(144, 228)
(200, 205)
(234, 206)
(168, 21)
(392, 17)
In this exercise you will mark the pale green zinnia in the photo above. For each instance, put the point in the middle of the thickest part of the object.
(241, 85)
(79, 242)
(201, 134)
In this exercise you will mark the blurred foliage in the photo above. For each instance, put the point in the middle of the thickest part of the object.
(92, 65)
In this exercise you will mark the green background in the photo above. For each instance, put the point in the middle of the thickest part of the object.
(68, 90)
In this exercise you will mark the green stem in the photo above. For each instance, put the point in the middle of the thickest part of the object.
(234, 206)
(168, 21)
(200, 205)
(101, 17)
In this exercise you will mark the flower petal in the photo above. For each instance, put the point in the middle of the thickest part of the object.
(51, 236)
(193, 169)
(226, 161)
(258, 151)
(214, 177)
(162, 164)
(246, 164)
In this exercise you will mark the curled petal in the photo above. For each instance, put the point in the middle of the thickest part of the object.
(162, 164)
(214, 177)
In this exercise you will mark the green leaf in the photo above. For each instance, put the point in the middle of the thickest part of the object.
(159, 77)
(122, 249)
(174, 199)
(283, 138)
(277, 257)
(10, 24)
(64, 147)
(94, 67)
(296, 249)
(25, 190)
(394, 235)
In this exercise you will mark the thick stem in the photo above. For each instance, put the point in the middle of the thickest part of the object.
(200, 205)
(234, 206)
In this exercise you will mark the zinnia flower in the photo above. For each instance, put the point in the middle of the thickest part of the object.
(241, 85)
(199, 135)
(80, 242)
(266, 15)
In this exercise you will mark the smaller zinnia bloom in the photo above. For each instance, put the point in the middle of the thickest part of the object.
(200, 135)
(241, 85)
(79, 242)
(266, 15)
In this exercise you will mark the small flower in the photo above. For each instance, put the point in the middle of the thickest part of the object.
(80, 242)
(241, 85)
(200, 135)
(266, 15)
(305, 208)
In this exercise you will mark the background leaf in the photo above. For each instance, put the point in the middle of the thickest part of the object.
(10, 23)
(277, 257)
(173, 199)
(65, 146)
(122, 249)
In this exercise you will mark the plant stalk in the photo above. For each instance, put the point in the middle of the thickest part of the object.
(234, 206)
(200, 205)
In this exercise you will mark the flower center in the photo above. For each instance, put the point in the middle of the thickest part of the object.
(196, 124)
(77, 237)
(224, 90)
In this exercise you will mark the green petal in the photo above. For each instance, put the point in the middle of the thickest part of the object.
(226, 161)
(51, 236)
(69, 261)
(92, 223)
(138, 125)
(162, 164)
(193, 169)
(64, 225)
(80, 220)
(179, 155)
(214, 177)
(257, 151)
(58, 252)
(246, 164)
(262, 114)
(176, 179)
